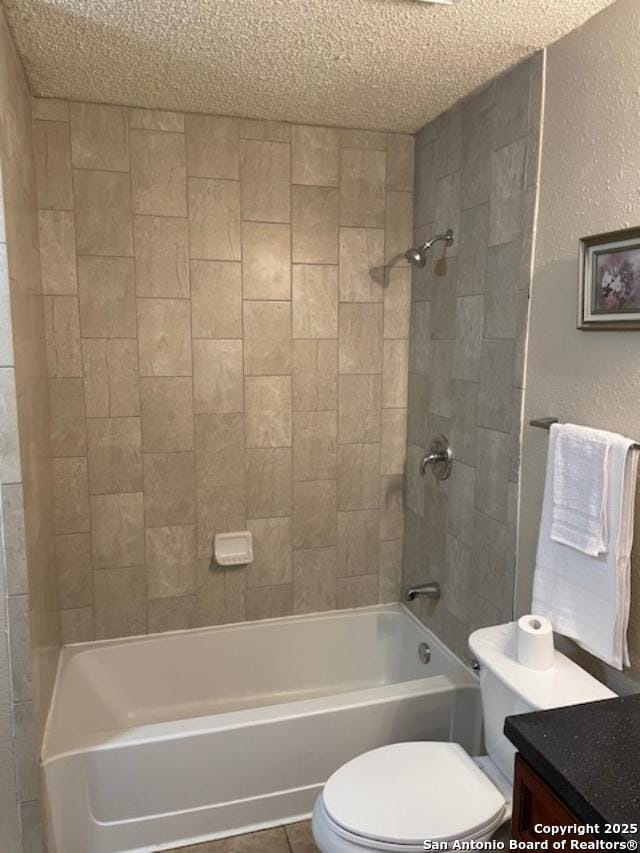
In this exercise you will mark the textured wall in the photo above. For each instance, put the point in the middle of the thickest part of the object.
(476, 172)
(28, 606)
(225, 351)
(588, 184)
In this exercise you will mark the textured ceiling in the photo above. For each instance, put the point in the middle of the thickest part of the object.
(383, 64)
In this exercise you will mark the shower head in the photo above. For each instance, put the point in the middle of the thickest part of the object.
(417, 256)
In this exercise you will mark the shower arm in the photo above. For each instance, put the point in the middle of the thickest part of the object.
(447, 237)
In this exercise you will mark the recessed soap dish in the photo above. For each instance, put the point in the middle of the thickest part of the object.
(234, 549)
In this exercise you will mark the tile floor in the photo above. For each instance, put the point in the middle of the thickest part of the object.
(294, 838)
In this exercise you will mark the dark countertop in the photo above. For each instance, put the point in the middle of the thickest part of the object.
(589, 755)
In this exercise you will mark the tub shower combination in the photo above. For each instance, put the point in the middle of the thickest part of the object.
(172, 739)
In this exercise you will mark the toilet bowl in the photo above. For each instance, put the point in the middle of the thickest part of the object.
(398, 796)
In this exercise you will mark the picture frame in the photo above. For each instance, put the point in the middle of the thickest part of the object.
(609, 281)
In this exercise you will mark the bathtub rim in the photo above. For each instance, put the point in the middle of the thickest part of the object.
(461, 676)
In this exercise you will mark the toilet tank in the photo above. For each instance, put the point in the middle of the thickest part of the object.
(509, 688)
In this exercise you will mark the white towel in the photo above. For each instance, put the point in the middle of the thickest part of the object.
(587, 598)
(580, 468)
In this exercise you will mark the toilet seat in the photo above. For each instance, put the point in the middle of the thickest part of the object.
(397, 796)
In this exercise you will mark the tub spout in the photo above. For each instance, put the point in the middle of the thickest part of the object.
(426, 590)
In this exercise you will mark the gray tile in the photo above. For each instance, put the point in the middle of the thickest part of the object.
(502, 295)
(472, 251)
(494, 391)
(439, 378)
(468, 338)
(447, 213)
(477, 132)
(420, 337)
(462, 503)
(512, 104)
(443, 298)
(464, 412)
(507, 187)
(492, 473)
(425, 200)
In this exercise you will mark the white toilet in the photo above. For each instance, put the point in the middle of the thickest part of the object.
(397, 796)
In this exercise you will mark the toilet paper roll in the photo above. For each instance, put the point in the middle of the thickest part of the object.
(535, 642)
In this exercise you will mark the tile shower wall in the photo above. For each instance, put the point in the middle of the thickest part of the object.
(476, 172)
(29, 628)
(227, 348)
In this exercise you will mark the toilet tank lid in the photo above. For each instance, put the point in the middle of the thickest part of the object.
(564, 684)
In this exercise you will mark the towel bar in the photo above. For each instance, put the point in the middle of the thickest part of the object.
(545, 423)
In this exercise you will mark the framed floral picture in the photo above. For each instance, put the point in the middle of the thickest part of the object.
(609, 283)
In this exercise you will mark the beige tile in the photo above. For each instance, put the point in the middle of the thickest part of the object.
(357, 551)
(315, 301)
(271, 552)
(164, 337)
(167, 414)
(400, 148)
(221, 509)
(99, 137)
(120, 602)
(49, 109)
(115, 455)
(219, 450)
(107, 297)
(217, 376)
(390, 572)
(172, 614)
(359, 408)
(77, 625)
(52, 161)
(57, 235)
(169, 489)
(361, 264)
(314, 580)
(268, 479)
(73, 570)
(267, 338)
(158, 173)
(371, 140)
(216, 299)
(266, 260)
(314, 225)
(398, 233)
(68, 433)
(394, 439)
(315, 445)
(214, 219)
(71, 495)
(170, 561)
(314, 514)
(300, 836)
(360, 338)
(265, 170)
(117, 530)
(212, 146)
(269, 602)
(362, 187)
(110, 378)
(360, 591)
(275, 131)
(395, 371)
(221, 594)
(267, 401)
(162, 256)
(397, 303)
(391, 507)
(315, 155)
(358, 482)
(156, 120)
(62, 332)
(103, 213)
(315, 375)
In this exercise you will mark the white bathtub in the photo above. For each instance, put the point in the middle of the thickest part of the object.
(154, 742)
